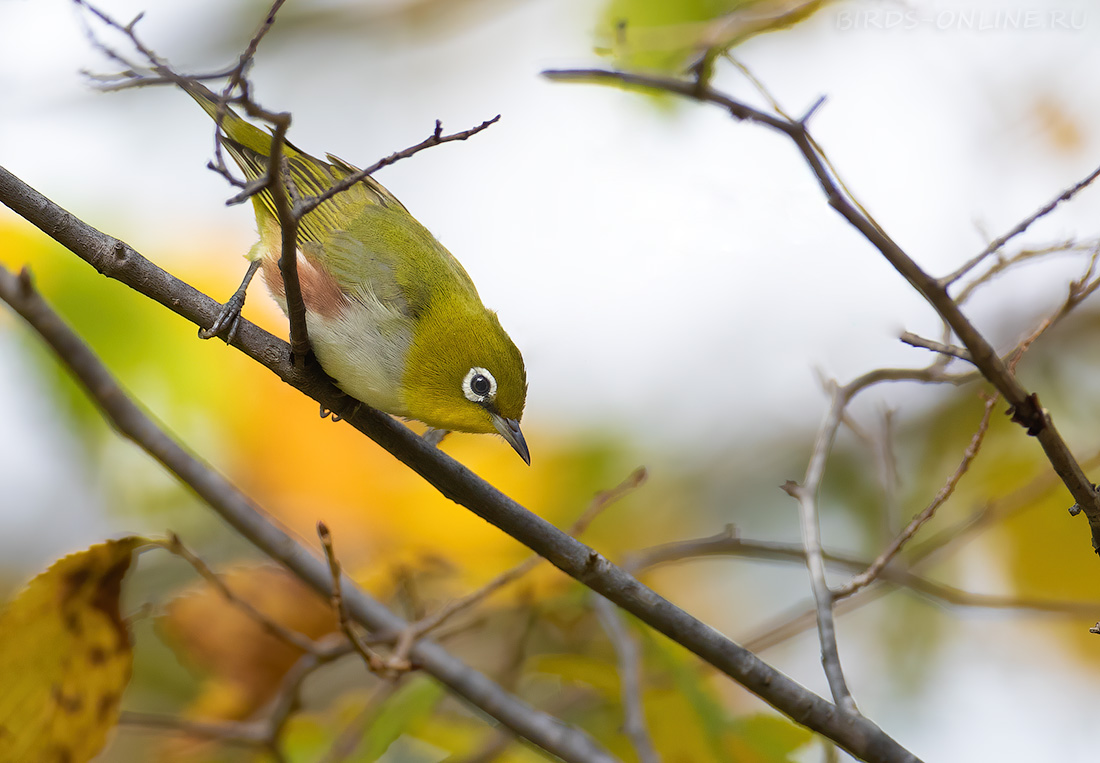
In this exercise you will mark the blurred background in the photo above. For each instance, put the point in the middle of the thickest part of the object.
(677, 284)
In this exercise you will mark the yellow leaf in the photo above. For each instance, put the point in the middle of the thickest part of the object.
(65, 657)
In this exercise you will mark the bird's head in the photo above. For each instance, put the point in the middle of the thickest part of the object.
(463, 373)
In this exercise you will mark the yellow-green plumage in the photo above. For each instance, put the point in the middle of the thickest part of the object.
(392, 316)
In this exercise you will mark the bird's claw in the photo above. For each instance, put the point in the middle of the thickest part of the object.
(228, 319)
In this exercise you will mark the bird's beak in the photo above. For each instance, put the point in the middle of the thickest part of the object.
(509, 430)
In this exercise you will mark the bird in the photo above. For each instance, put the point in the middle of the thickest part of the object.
(392, 316)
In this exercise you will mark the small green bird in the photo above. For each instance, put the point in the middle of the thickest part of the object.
(392, 316)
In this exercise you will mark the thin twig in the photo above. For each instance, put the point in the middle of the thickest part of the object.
(432, 621)
(175, 546)
(888, 472)
(883, 559)
(264, 734)
(1005, 263)
(250, 733)
(802, 617)
(1024, 406)
(628, 658)
(437, 138)
(249, 520)
(761, 88)
(806, 495)
(949, 350)
(728, 544)
(1019, 228)
(245, 60)
(1077, 291)
(276, 180)
(373, 660)
(288, 698)
(115, 259)
(280, 184)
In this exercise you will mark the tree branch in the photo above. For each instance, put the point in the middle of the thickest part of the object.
(999, 242)
(262, 531)
(627, 654)
(727, 543)
(111, 257)
(879, 564)
(1024, 405)
(806, 495)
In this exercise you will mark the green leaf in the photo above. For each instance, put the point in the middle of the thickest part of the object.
(412, 703)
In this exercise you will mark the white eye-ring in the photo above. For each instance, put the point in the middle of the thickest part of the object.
(479, 385)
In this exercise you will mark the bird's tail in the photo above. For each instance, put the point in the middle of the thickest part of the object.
(250, 148)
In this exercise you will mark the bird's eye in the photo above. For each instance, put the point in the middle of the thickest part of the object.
(479, 385)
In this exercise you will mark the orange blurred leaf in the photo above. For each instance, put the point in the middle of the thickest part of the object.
(244, 663)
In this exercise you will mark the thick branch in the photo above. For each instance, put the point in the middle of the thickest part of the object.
(111, 257)
(249, 520)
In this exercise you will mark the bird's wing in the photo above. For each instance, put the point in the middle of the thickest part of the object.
(363, 235)
(386, 252)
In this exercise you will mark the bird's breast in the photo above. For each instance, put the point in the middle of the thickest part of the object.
(361, 341)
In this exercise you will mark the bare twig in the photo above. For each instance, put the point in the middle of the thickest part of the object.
(888, 470)
(288, 697)
(1024, 405)
(1019, 228)
(881, 445)
(778, 108)
(175, 546)
(1006, 262)
(1077, 291)
(248, 733)
(626, 650)
(802, 617)
(727, 543)
(432, 621)
(806, 495)
(373, 660)
(236, 75)
(883, 559)
(249, 520)
(111, 257)
(265, 733)
(949, 350)
(280, 185)
(276, 180)
(437, 138)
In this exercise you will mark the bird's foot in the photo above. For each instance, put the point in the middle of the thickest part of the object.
(228, 320)
(230, 316)
(351, 410)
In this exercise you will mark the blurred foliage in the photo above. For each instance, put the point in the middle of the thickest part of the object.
(395, 534)
(673, 37)
(65, 656)
(242, 663)
(417, 551)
